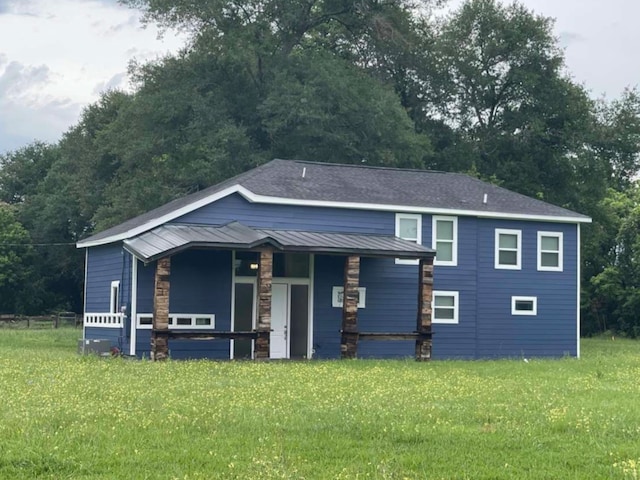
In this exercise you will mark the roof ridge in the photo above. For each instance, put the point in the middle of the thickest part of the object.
(371, 167)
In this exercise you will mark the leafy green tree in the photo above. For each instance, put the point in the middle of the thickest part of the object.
(16, 256)
(496, 79)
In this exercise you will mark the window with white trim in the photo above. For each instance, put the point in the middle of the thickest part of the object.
(409, 227)
(114, 298)
(508, 249)
(445, 307)
(445, 240)
(188, 321)
(550, 247)
(524, 305)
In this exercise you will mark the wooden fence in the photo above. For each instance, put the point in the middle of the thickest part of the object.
(62, 319)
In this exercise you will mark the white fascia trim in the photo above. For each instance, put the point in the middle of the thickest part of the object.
(156, 222)
(254, 198)
(578, 292)
(133, 314)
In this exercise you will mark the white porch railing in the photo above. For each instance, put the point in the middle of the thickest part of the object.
(104, 320)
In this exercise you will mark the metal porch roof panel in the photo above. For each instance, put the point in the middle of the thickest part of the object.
(173, 238)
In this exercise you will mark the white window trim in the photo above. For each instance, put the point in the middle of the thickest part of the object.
(454, 247)
(411, 216)
(560, 251)
(173, 321)
(524, 299)
(114, 297)
(505, 231)
(456, 306)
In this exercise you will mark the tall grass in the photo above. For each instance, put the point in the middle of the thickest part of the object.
(65, 416)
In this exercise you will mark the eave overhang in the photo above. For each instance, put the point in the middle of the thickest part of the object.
(170, 239)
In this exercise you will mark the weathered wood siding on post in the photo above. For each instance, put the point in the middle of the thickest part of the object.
(349, 342)
(265, 276)
(423, 324)
(159, 337)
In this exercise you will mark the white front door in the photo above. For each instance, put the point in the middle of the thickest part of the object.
(279, 320)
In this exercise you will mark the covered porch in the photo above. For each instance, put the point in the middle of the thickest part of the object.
(259, 247)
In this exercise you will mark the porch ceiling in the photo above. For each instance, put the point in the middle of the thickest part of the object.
(169, 239)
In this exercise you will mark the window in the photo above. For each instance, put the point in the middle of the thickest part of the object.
(445, 240)
(337, 297)
(114, 301)
(524, 305)
(445, 307)
(409, 227)
(550, 251)
(189, 321)
(508, 249)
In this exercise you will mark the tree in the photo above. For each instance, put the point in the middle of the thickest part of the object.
(495, 74)
(15, 262)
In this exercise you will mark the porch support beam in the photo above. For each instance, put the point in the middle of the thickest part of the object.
(425, 293)
(160, 333)
(349, 341)
(265, 277)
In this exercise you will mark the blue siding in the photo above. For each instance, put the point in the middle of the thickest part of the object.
(104, 265)
(391, 306)
(458, 340)
(236, 208)
(200, 283)
(552, 332)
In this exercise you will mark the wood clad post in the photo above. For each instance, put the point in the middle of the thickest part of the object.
(265, 276)
(349, 342)
(160, 335)
(425, 293)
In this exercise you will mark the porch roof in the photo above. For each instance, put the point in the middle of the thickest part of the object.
(169, 239)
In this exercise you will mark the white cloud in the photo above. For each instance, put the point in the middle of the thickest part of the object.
(57, 56)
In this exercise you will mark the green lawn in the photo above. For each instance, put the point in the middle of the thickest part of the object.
(65, 416)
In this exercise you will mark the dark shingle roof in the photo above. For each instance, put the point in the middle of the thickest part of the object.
(172, 238)
(400, 189)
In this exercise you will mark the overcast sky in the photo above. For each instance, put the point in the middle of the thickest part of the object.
(56, 56)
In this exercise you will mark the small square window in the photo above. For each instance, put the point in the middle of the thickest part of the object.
(445, 307)
(524, 305)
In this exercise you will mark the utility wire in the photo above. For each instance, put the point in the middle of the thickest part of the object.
(35, 244)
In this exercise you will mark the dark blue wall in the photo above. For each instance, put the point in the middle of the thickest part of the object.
(200, 283)
(105, 264)
(236, 208)
(552, 332)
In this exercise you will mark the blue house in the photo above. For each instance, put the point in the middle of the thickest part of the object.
(311, 260)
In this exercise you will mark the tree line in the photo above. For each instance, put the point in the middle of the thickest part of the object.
(483, 90)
